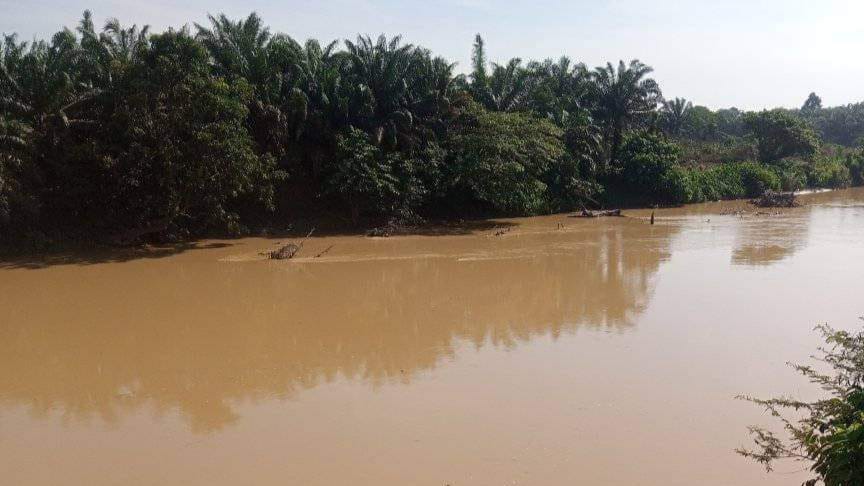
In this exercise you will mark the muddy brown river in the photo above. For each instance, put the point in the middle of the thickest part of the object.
(538, 351)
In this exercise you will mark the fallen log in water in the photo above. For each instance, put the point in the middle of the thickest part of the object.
(772, 199)
(586, 213)
(288, 251)
(285, 252)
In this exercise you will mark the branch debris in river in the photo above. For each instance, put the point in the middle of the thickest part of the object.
(288, 251)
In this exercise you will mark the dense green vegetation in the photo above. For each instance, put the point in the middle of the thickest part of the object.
(228, 127)
(830, 432)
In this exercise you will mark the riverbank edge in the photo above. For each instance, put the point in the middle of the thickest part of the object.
(329, 227)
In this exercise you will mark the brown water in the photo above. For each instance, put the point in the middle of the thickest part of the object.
(606, 352)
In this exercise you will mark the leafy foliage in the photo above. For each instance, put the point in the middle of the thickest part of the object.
(779, 134)
(647, 166)
(504, 160)
(675, 113)
(829, 173)
(830, 433)
(384, 184)
(623, 97)
(114, 131)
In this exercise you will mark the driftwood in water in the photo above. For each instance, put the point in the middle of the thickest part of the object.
(288, 251)
(324, 252)
(586, 213)
(771, 199)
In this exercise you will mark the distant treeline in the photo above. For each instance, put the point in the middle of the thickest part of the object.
(227, 128)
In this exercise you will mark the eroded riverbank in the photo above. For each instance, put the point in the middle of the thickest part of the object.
(562, 351)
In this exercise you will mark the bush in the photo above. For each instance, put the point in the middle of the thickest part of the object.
(725, 181)
(792, 174)
(166, 148)
(741, 180)
(185, 155)
(830, 435)
(829, 173)
(855, 164)
(676, 186)
(371, 181)
(757, 179)
(503, 160)
(780, 134)
(649, 171)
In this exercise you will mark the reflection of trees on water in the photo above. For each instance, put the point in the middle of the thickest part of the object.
(766, 240)
(199, 336)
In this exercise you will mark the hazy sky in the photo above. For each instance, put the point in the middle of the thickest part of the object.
(745, 53)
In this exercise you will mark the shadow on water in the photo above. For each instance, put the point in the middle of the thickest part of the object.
(105, 255)
(119, 255)
(437, 228)
(459, 228)
(199, 336)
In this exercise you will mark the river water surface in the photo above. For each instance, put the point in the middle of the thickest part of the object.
(539, 351)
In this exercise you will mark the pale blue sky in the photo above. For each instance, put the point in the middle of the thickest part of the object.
(745, 53)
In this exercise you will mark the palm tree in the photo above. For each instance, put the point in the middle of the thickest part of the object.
(42, 97)
(111, 53)
(40, 82)
(675, 113)
(246, 49)
(557, 90)
(380, 75)
(623, 97)
(315, 82)
(239, 48)
(508, 87)
(478, 83)
(314, 102)
(437, 81)
(505, 89)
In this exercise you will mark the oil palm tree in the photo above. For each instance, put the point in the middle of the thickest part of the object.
(622, 97)
(558, 89)
(314, 98)
(315, 82)
(42, 98)
(110, 54)
(246, 49)
(238, 48)
(504, 89)
(433, 88)
(477, 82)
(674, 113)
(41, 82)
(508, 86)
(380, 75)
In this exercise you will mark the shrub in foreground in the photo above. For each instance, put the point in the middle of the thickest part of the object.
(830, 433)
